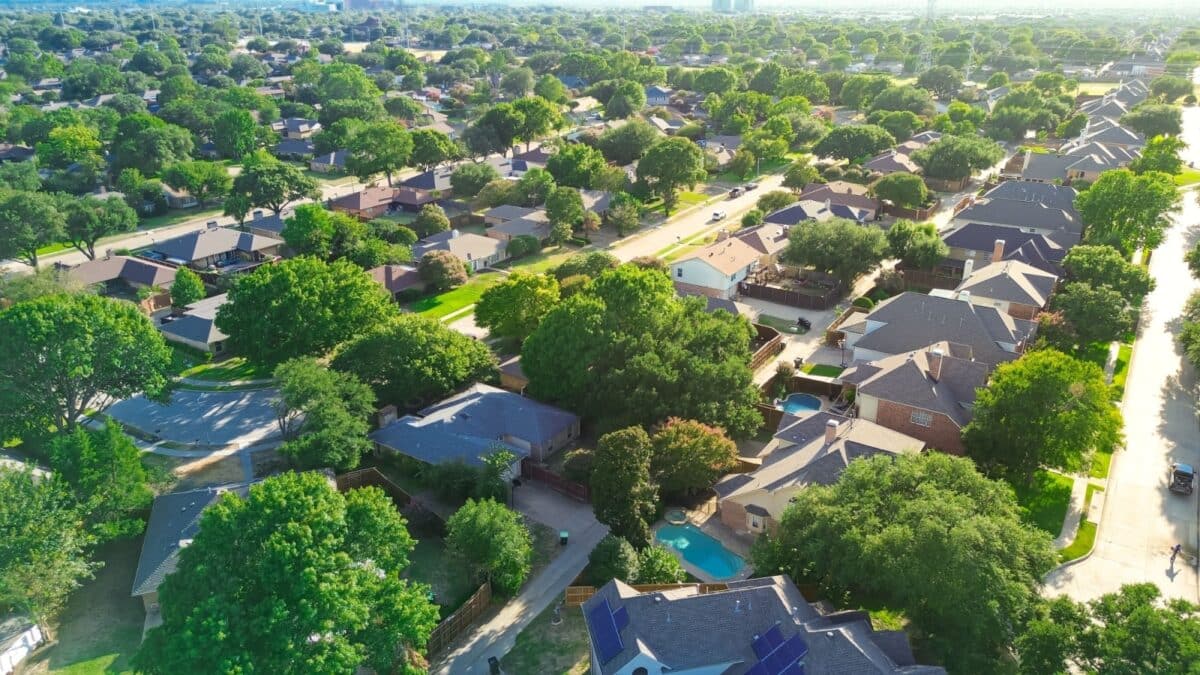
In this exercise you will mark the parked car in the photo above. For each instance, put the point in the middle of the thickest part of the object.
(718, 215)
(1183, 478)
(735, 192)
(750, 186)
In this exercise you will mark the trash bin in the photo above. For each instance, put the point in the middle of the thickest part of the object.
(562, 537)
(493, 665)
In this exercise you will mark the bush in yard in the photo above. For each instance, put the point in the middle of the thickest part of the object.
(864, 302)
(623, 496)
(453, 482)
(188, 288)
(689, 456)
(613, 558)
(657, 565)
(578, 465)
(431, 220)
(902, 189)
(774, 200)
(752, 218)
(322, 415)
(524, 244)
(490, 539)
(442, 270)
(105, 473)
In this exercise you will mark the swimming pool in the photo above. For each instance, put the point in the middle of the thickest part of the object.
(701, 550)
(796, 403)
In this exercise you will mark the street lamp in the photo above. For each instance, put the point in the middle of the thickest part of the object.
(842, 346)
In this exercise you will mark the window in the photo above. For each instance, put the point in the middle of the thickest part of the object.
(755, 523)
(679, 271)
(921, 419)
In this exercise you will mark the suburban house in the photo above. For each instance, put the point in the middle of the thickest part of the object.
(810, 450)
(1109, 131)
(368, 203)
(215, 248)
(1011, 286)
(768, 239)
(425, 188)
(298, 149)
(891, 161)
(475, 250)
(811, 210)
(266, 223)
(397, 279)
(596, 201)
(173, 523)
(470, 425)
(657, 95)
(330, 162)
(178, 199)
(19, 637)
(296, 127)
(842, 193)
(985, 244)
(666, 126)
(910, 321)
(512, 377)
(928, 393)
(116, 271)
(1072, 162)
(1037, 208)
(197, 327)
(15, 153)
(716, 269)
(758, 626)
(535, 223)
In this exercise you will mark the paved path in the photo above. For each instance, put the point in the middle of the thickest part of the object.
(217, 385)
(497, 636)
(1074, 513)
(1141, 520)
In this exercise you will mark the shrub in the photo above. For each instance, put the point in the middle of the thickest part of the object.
(452, 481)
(832, 173)
(657, 565)
(613, 558)
(864, 302)
(571, 285)
(785, 370)
(578, 465)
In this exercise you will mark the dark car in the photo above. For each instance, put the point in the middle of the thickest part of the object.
(1183, 478)
(735, 192)
(804, 323)
(750, 186)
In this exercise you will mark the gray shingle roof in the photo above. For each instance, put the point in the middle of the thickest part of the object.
(209, 242)
(1028, 247)
(683, 630)
(198, 322)
(911, 321)
(465, 246)
(907, 379)
(468, 426)
(1011, 281)
(174, 518)
(130, 269)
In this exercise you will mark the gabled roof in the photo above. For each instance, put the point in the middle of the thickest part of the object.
(336, 158)
(728, 257)
(508, 212)
(1029, 205)
(910, 321)
(198, 321)
(766, 239)
(723, 631)
(464, 246)
(891, 161)
(174, 522)
(130, 269)
(396, 278)
(908, 379)
(799, 454)
(531, 225)
(805, 209)
(1010, 281)
(370, 197)
(434, 179)
(203, 243)
(470, 425)
(293, 146)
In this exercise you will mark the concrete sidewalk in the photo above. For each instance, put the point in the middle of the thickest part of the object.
(1074, 515)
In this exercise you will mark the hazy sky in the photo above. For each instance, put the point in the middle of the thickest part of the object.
(944, 6)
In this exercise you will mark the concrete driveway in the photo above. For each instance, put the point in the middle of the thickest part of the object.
(206, 418)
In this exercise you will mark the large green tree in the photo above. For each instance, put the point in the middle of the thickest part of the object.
(265, 181)
(44, 550)
(1095, 313)
(902, 189)
(623, 495)
(292, 560)
(493, 543)
(957, 157)
(839, 247)
(1105, 266)
(1155, 119)
(514, 307)
(380, 147)
(538, 118)
(322, 415)
(1160, 153)
(1126, 211)
(235, 133)
(430, 148)
(854, 142)
(627, 142)
(64, 355)
(90, 218)
(626, 350)
(1044, 409)
(413, 357)
(104, 470)
(301, 307)
(917, 245)
(576, 165)
(669, 165)
(925, 534)
(203, 180)
(689, 456)
(29, 221)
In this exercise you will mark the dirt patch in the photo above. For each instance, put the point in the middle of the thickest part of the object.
(268, 463)
(101, 627)
(187, 473)
(547, 648)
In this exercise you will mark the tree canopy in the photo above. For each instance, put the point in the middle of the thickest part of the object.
(854, 142)
(839, 247)
(1126, 210)
(957, 157)
(322, 415)
(623, 495)
(669, 165)
(490, 539)
(514, 307)
(292, 559)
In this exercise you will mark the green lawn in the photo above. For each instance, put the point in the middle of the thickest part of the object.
(1086, 536)
(101, 627)
(453, 300)
(400, 217)
(1189, 176)
(685, 199)
(549, 258)
(1100, 464)
(822, 370)
(1121, 371)
(553, 650)
(180, 216)
(184, 359)
(769, 166)
(1044, 504)
(786, 326)
(1096, 352)
(229, 370)
(429, 564)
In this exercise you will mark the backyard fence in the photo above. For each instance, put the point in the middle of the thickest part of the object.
(791, 298)
(947, 185)
(577, 595)
(371, 476)
(458, 622)
(928, 279)
(834, 334)
(577, 491)
(772, 345)
(922, 214)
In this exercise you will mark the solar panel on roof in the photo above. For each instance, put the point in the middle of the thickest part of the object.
(758, 669)
(778, 656)
(767, 642)
(796, 668)
(605, 637)
(621, 617)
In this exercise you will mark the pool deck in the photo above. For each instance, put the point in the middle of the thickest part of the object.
(710, 523)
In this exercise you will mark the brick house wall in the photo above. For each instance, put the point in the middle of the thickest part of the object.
(701, 290)
(942, 434)
(733, 515)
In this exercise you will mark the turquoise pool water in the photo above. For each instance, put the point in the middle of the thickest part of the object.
(701, 550)
(795, 403)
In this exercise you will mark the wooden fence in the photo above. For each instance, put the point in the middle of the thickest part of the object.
(458, 622)
(788, 297)
(772, 345)
(577, 595)
(371, 476)
(921, 214)
(928, 279)
(945, 185)
(833, 334)
(577, 491)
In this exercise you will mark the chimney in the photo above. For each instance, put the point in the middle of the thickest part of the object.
(828, 204)
(258, 214)
(935, 363)
(998, 251)
(212, 224)
(831, 431)
(968, 267)
(386, 415)
(965, 296)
